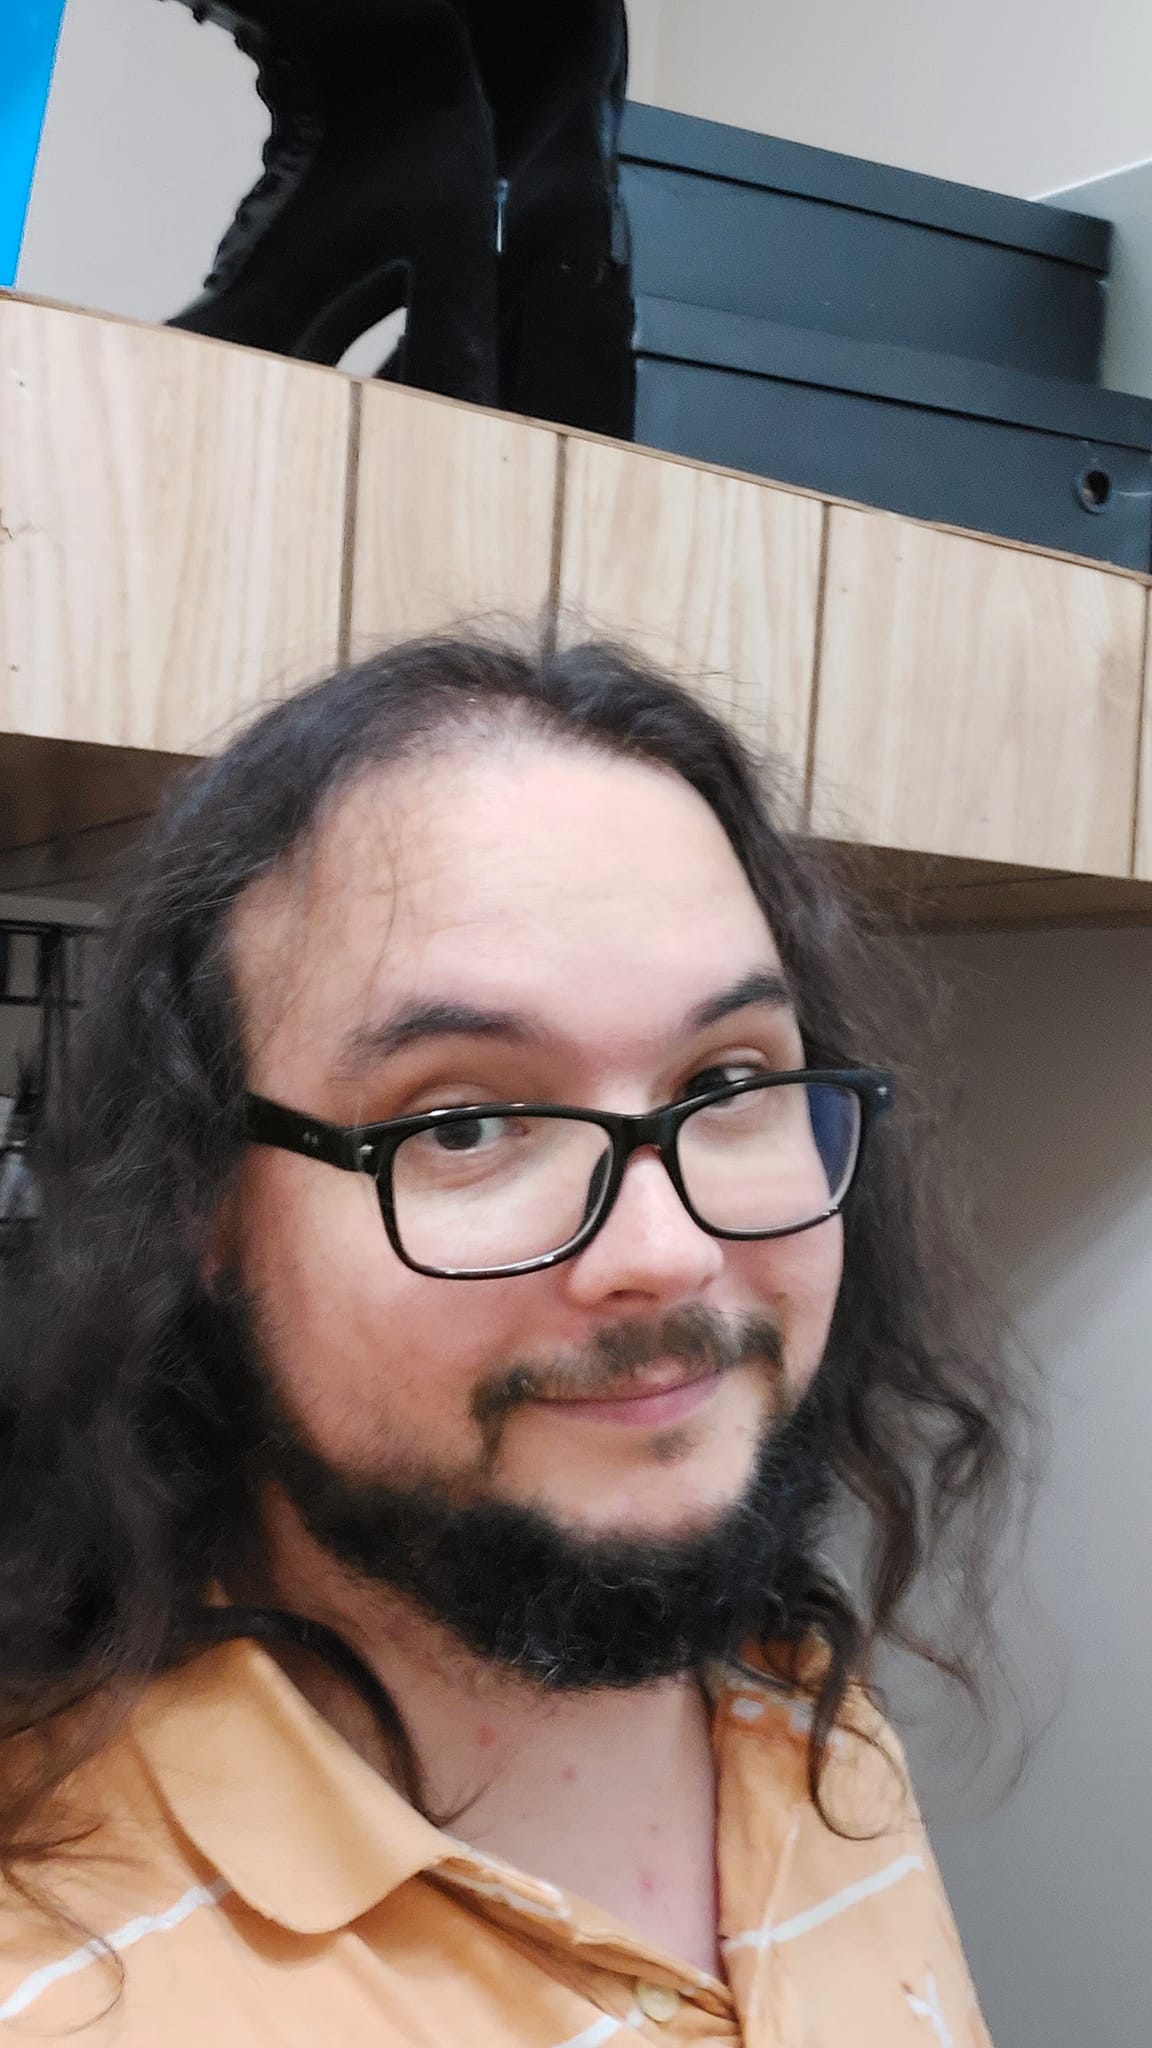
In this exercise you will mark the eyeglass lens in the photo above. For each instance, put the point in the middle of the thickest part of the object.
(500, 1190)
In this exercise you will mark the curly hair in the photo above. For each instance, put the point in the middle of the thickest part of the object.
(124, 1433)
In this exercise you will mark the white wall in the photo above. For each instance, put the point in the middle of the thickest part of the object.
(152, 132)
(645, 28)
(1019, 95)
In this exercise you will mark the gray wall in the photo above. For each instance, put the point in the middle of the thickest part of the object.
(1125, 198)
(1051, 1042)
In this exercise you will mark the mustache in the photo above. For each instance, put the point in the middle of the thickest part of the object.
(698, 1338)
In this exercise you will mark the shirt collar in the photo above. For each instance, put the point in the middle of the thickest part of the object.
(297, 1824)
(274, 1799)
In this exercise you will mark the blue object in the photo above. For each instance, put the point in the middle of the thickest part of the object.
(29, 31)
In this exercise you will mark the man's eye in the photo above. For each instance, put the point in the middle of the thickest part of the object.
(472, 1134)
(708, 1078)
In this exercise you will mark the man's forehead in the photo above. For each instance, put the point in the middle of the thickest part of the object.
(495, 867)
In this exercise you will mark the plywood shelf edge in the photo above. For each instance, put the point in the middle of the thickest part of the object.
(189, 529)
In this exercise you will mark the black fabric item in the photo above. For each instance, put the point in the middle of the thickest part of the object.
(408, 137)
(555, 79)
(382, 174)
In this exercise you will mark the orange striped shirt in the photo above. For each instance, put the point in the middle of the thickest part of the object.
(262, 1887)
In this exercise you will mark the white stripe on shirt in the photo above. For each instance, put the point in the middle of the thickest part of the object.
(829, 1909)
(603, 2030)
(95, 1951)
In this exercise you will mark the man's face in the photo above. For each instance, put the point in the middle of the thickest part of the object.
(589, 909)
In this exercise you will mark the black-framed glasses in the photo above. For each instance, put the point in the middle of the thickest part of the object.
(501, 1188)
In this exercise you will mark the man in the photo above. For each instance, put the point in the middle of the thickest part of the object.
(480, 1266)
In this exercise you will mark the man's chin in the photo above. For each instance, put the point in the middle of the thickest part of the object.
(614, 1480)
(680, 1519)
(567, 1600)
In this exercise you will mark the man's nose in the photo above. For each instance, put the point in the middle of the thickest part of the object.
(649, 1246)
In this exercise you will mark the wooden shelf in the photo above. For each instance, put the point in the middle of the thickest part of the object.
(454, 519)
(188, 530)
(173, 522)
(70, 811)
(713, 577)
(976, 701)
(933, 892)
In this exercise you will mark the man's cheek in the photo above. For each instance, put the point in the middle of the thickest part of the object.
(805, 1284)
(385, 1379)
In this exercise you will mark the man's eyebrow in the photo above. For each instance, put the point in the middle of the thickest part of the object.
(415, 1022)
(764, 986)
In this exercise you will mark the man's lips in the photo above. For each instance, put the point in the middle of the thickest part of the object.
(651, 1400)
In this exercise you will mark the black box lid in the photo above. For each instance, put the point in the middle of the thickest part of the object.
(675, 332)
(653, 135)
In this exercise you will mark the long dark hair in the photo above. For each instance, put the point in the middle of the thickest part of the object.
(123, 1432)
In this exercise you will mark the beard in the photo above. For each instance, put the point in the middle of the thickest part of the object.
(543, 1601)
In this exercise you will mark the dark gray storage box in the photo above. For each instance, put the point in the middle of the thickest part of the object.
(747, 223)
(1064, 465)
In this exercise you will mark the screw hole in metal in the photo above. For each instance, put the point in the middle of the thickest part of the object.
(1094, 489)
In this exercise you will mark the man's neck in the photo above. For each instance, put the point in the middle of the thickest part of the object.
(608, 1794)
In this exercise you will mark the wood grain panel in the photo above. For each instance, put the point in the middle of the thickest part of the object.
(455, 518)
(171, 529)
(711, 576)
(975, 700)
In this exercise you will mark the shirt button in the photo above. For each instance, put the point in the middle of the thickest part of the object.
(657, 2001)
